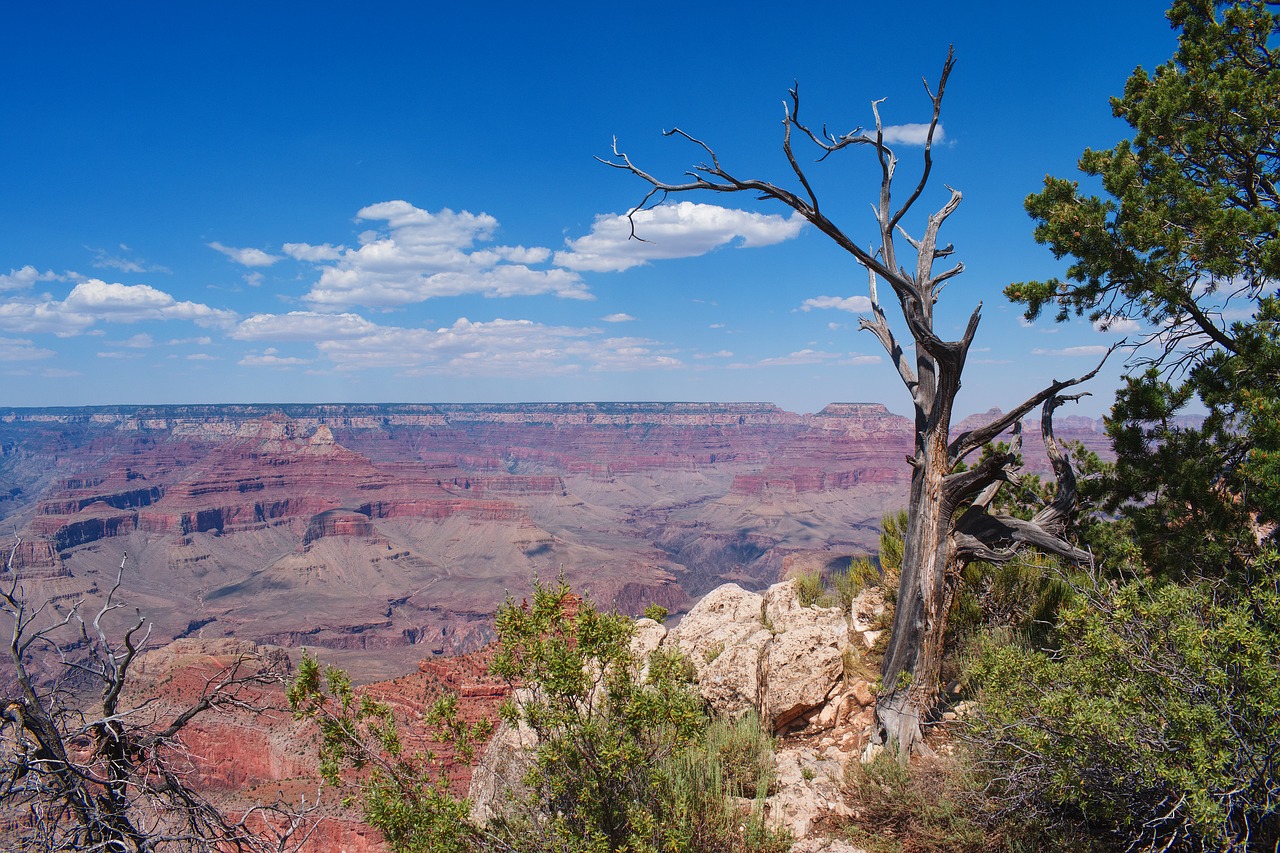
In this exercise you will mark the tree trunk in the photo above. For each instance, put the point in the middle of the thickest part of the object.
(913, 659)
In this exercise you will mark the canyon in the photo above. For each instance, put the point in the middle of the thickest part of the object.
(385, 534)
(381, 538)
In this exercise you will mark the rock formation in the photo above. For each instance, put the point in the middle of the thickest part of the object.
(387, 532)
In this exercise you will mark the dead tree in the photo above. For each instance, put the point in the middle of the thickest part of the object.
(947, 519)
(106, 774)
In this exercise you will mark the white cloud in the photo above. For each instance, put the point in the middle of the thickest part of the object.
(1116, 325)
(120, 355)
(270, 358)
(24, 277)
(94, 300)
(308, 252)
(201, 356)
(140, 341)
(912, 133)
(245, 257)
(863, 359)
(852, 304)
(724, 353)
(804, 356)
(682, 230)
(302, 326)
(716, 326)
(421, 255)
(19, 349)
(617, 318)
(495, 348)
(1069, 352)
(128, 303)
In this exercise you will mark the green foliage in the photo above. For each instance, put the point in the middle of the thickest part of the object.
(811, 589)
(403, 795)
(893, 538)
(838, 589)
(734, 759)
(1187, 236)
(625, 757)
(656, 612)
(1157, 721)
(1192, 198)
(1021, 596)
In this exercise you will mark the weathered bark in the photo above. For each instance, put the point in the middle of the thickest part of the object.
(940, 538)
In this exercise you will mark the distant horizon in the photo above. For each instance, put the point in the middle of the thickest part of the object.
(124, 407)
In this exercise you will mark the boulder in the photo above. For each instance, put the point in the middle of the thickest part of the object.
(766, 653)
(724, 638)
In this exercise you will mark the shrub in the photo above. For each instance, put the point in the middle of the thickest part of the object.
(622, 762)
(921, 808)
(811, 589)
(656, 612)
(1157, 722)
(733, 761)
(625, 758)
(403, 795)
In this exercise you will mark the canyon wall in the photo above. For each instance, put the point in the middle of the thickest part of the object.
(386, 533)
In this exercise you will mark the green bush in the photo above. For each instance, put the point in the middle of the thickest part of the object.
(811, 589)
(622, 762)
(1156, 723)
(733, 761)
(403, 795)
(656, 612)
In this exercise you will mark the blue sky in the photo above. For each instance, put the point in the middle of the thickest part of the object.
(287, 202)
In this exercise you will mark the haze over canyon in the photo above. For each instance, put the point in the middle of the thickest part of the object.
(389, 533)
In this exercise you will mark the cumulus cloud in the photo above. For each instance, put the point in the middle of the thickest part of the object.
(912, 133)
(724, 353)
(302, 326)
(617, 318)
(308, 252)
(94, 300)
(682, 230)
(852, 304)
(245, 257)
(24, 277)
(420, 255)
(1070, 352)
(129, 303)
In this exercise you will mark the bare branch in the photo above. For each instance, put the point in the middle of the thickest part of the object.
(928, 145)
(971, 440)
